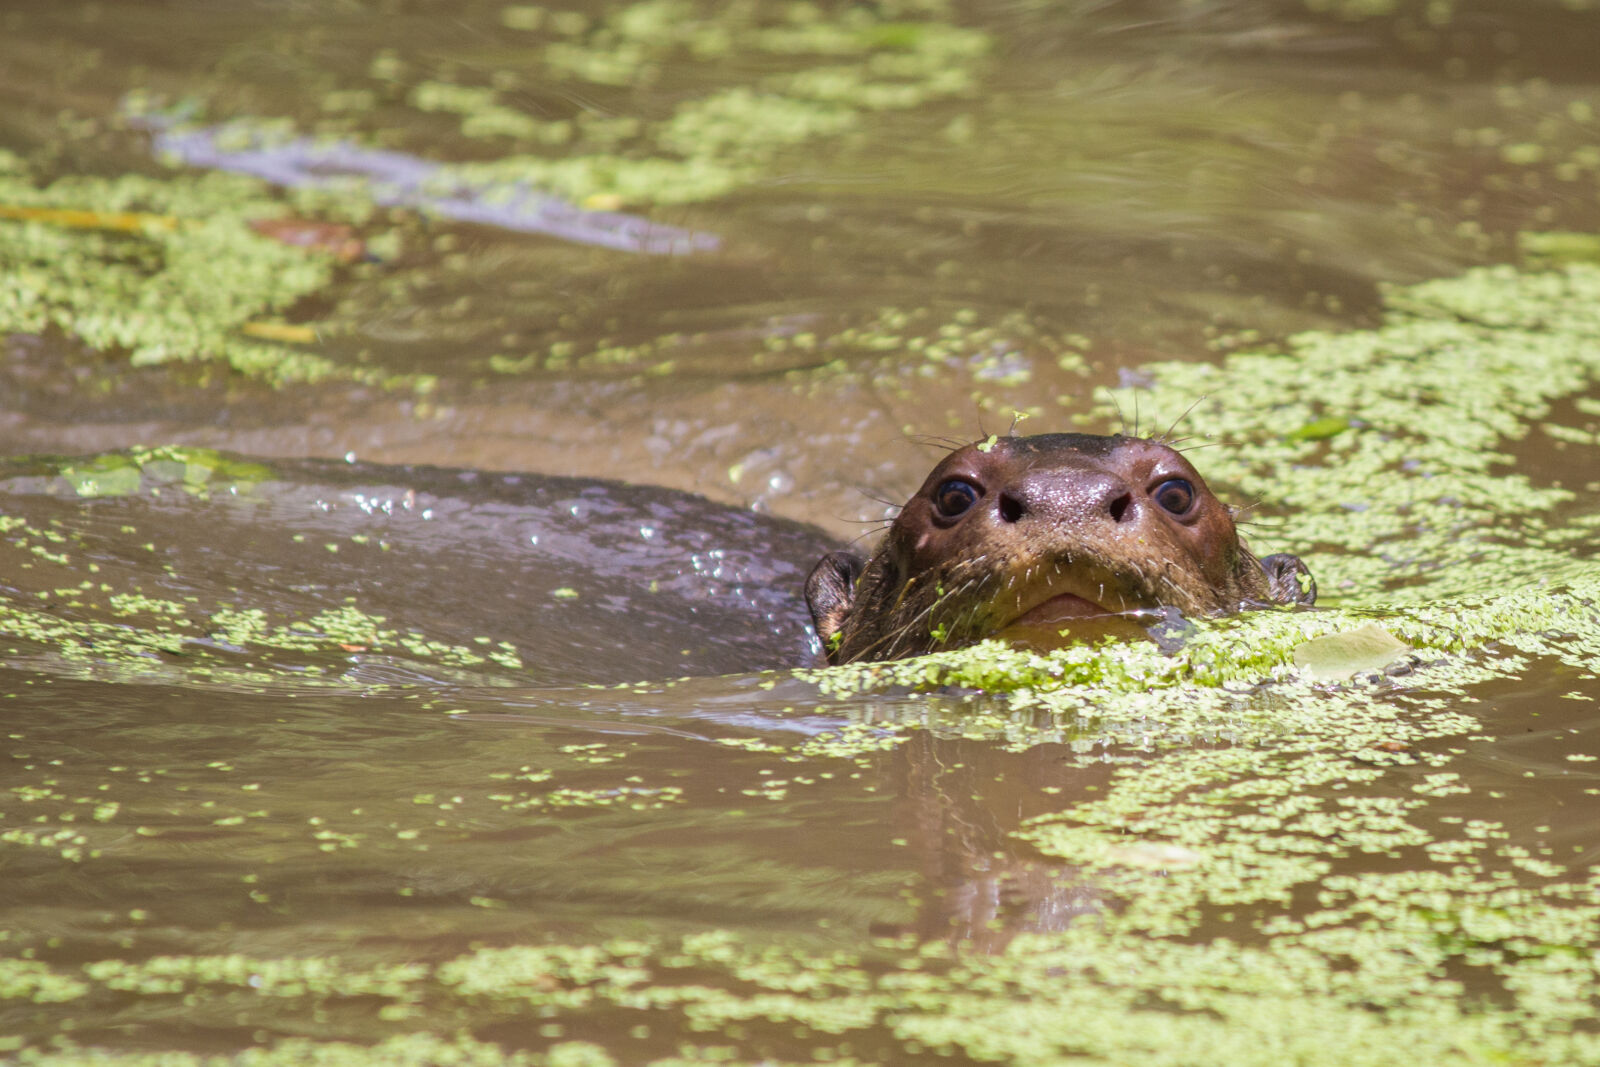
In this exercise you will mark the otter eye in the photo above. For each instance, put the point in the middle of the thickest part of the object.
(1175, 495)
(954, 498)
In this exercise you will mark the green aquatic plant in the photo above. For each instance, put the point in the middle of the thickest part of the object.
(131, 625)
(1283, 863)
(1435, 14)
(164, 271)
(197, 471)
(1250, 913)
(822, 71)
(1383, 453)
(1003, 351)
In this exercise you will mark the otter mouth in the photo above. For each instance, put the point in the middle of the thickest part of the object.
(1080, 608)
(1063, 607)
(1080, 593)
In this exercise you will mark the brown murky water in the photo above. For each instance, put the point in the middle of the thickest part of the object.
(1121, 183)
(1147, 180)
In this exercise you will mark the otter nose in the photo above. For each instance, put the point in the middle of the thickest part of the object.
(1085, 496)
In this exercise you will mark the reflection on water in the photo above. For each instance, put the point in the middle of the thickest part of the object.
(399, 179)
(395, 764)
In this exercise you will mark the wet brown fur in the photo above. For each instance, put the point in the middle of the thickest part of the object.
(1057, 513)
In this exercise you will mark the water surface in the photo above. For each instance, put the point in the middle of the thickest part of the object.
(402, 706)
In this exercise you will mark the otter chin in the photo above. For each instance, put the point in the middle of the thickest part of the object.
(1042, 541)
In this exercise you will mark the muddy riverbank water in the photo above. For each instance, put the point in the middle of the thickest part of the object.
(418, 420)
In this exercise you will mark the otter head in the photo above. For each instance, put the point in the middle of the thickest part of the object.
(1025, 537)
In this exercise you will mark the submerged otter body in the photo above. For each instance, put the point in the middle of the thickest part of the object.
(1026, 536)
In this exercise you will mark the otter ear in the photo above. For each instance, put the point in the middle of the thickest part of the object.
(1289, 580)
(830, 590)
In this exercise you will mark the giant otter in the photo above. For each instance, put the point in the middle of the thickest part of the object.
(1021, 537)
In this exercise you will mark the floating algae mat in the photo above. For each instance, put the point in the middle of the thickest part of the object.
(822, 73)
(334, 763)
(169, 271)
(1117, 854)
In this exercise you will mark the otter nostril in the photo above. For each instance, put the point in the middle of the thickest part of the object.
(1119, 507)
(1011, 509)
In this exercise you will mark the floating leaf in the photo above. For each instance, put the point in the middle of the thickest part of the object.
(1559, 248)
(1339, 656)
(1320, 430)
(105, 476)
